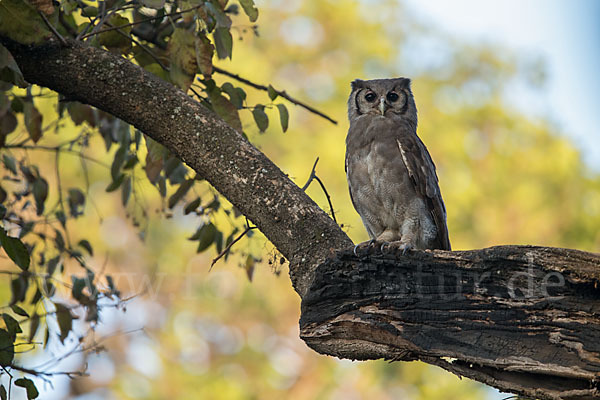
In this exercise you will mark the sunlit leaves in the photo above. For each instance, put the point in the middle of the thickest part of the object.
(223, 42)
(15, 250)
(260, 117)
(182, 53)
(250, 10)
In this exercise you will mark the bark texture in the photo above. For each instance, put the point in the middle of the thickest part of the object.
(523, 319)
(239, 171)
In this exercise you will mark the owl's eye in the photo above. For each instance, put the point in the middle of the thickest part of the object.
(392, 97)
(370, 97)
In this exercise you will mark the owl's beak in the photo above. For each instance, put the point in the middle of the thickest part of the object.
(382, 105)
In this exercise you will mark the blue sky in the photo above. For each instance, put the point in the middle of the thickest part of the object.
(565, 33)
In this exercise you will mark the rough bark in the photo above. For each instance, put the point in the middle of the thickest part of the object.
(521, 318)
(384, 305)
(218, 153)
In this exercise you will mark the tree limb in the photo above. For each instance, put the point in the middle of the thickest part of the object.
(299, 229)
(523, 319)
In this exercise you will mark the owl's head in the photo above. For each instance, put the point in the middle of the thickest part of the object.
(390, 98)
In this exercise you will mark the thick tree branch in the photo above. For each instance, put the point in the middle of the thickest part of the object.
(521, 318)
(299, 229)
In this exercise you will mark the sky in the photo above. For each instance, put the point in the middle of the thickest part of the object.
(565, 33)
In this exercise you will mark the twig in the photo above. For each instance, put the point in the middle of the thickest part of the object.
(112, 28)
(313, 175)
(226, 250)
(54, 31)
(279, 93)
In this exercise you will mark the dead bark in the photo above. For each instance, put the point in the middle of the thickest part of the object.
(523, 319)
(456, 310)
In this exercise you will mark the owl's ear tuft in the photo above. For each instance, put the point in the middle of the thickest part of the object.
(357, 83)
(404, 83)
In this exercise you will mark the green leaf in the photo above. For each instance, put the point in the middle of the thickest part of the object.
(236, 95)
(65, 320)
(87, 246)
(217, 12)
(126, 191)
(8, 123)
(225, 109)
(155, 4)
(250, 10)
(207, 237)
(19, 311)
(182, 53)
(223, 42)
(180, 192)
(260, 117)
(10, 163)
(15, 249)
(118, 161)
(33, 326)
(9, 70)
(284, 116)
(33, 121)
(12, 326)
(18, 288)
(192, 206)
(76, 201)
(204, 54)
(3, 394)
(113, 40)
(114, 185)
(154, 159)
(32, 392)
(40, 194)
(22, 23)
(7, 348)
(272, 92)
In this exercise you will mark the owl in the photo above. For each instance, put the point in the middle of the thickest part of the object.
(392, 179)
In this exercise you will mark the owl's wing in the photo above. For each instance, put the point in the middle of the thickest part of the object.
(421, 169)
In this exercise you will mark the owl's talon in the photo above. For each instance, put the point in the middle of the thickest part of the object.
(367, 244)
(406, 247)
(382, 248)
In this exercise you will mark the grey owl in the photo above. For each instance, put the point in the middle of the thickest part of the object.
(392, 179)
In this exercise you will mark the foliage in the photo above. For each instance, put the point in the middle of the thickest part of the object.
(72, 173)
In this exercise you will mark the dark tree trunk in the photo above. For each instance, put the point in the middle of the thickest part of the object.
(472, 313)
(521, 318)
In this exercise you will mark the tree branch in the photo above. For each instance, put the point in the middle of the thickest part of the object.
(299, 229)
(523, 319)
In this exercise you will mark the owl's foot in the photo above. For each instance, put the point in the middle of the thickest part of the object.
(406, 247)
(366, 244)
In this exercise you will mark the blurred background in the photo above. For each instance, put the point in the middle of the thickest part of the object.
(508, 95)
